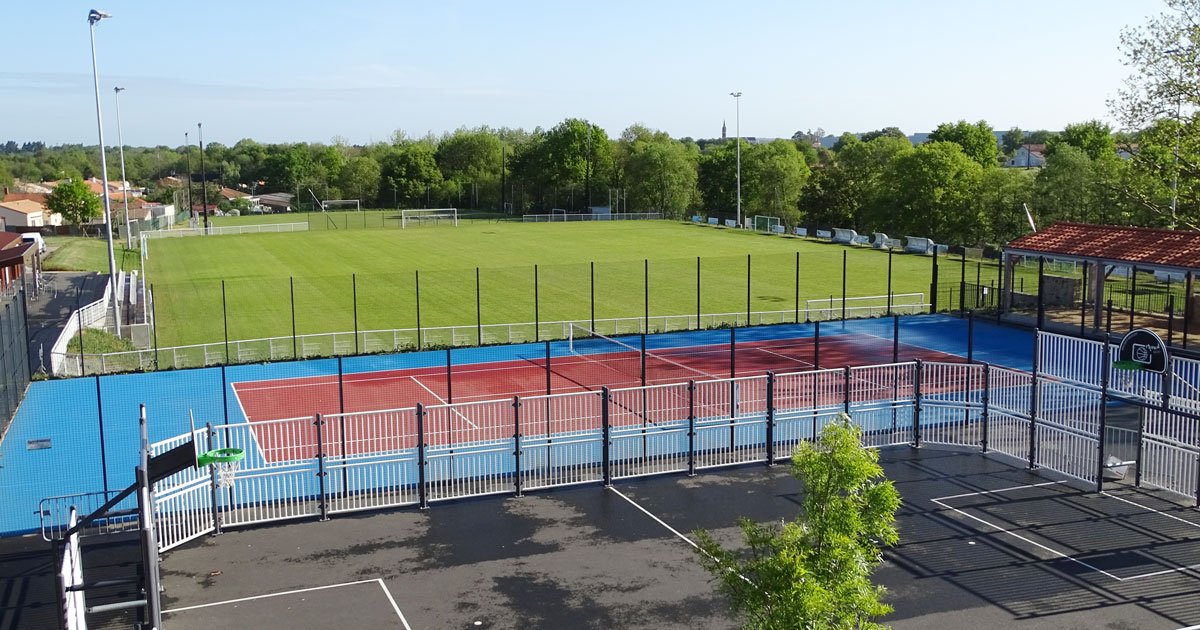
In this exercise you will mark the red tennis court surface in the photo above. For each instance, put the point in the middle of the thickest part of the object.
(398, 389)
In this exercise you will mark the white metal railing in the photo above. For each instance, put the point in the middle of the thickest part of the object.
(86, 316)
(615, 216)
(213, 230)
(348, 343)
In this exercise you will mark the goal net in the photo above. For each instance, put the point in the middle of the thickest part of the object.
(436, 216)
(340, 204)
(766, 224)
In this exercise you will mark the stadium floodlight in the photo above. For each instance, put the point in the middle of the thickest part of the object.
(93, 17)
(737, 98)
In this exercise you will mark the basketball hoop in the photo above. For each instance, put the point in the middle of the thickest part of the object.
(1127, 370)
(225, 461)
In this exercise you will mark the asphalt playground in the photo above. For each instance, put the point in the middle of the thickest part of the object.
(984, 543)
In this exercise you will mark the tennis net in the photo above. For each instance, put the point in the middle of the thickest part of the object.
(615, 363)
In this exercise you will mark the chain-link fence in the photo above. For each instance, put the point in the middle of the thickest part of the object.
(14, 353)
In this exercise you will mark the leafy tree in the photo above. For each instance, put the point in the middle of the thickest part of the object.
(846, 194)
(286, 167)
(845, 140)
(1092, 137)
(1000, 193)
(978, 141)
(777, 173)
(814, 573)
(1012, 140)
(75, 202)
(718, 179)
(809, 137)
(1041, 136)
(809, 153)
(360, 178)
(930, 191)
(6, 177)
(411, 170)
(1075, 187)
(660, 174)
(886, 132)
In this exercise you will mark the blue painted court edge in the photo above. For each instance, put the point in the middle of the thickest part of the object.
(84, 458)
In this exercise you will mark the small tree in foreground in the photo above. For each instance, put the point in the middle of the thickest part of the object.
(814, 573)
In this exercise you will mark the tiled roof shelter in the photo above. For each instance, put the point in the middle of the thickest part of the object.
(1148, 247)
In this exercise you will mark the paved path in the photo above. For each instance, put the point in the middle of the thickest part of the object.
(64, 292)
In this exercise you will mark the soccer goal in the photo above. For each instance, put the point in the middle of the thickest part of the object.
(435, 216)
(339, 204)
(766, 224)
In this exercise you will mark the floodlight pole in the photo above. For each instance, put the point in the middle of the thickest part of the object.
(93, 17)
(203, 176)
(124, 183)
(737, 98)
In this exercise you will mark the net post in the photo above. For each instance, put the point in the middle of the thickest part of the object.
(478, 312)
(321, 474)
(606, 434)
(747, 290)
(422, 491)
(770, 418)
(354, 303)
(341, 388)
(817, 346)
(537, 314)
(1102, 431)
(516, 405)
(797, 288)
(212, 479)
(846, 389)
(843, 285)
(691, 428)
(733, 352)
(917, 402)
(698, 315)
(645, 295)
(592, 290)
(549, 372)
(984, 415)
(1033, 395)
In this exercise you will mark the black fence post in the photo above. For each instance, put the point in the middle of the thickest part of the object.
(605, 436)
(1187, 307)
(1108, 321)
(550, 371)
(817, 345)
(962, 283)
(642, 357)
(449, 377)
(797, 318)
(895, 338)
(843, 285)
(224, 320)
(154, 326)
(770, 418)
(1041, 299)
(1170, 317)
(698, 313)
(971, 336)
(225, 394)
(733, 352)
(692, 428)
(417, 279)
(537, 313)
(646, 294)
(747, 289)
(324, 502)
(592, 285)
(846, 389)
(933, 284)
(103, 450)
(987, 387)
(1132, 296)
(1033, 398)
(516, 405)
(889, 289)
(422, 491)
(1101, 465)
(292, 298)
(917, 401)
(478, 313)
(354, 301)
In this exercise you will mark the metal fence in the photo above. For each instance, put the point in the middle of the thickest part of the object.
(615, 216)
(14, 353)
(212, 230)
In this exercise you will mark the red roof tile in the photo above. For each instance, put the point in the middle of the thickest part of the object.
(1149, 246)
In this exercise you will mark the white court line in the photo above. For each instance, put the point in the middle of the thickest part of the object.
(443, 401)
(794, 359)
(939, 501)
(300, 590)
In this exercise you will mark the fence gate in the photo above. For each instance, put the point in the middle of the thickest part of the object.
(183, 502)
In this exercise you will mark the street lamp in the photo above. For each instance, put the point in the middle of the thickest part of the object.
(93, 17)
(124, 185)
(737, 98)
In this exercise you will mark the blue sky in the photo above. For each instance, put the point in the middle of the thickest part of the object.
(308, 71)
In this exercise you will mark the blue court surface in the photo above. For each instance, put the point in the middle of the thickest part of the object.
(91, 424)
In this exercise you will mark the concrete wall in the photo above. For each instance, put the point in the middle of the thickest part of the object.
(1056, 290)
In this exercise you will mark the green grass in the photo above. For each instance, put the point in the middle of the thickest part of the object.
(75, 253)
(99, 342)
(187, 274)
(349, 220)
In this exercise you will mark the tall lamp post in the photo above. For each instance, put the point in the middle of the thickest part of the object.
(124, 182)
(737, 98)
(93, 17)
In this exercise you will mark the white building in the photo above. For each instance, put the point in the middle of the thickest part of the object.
(26, 213)
(1028, 156)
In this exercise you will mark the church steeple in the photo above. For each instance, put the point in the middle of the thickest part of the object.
(722, 129)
